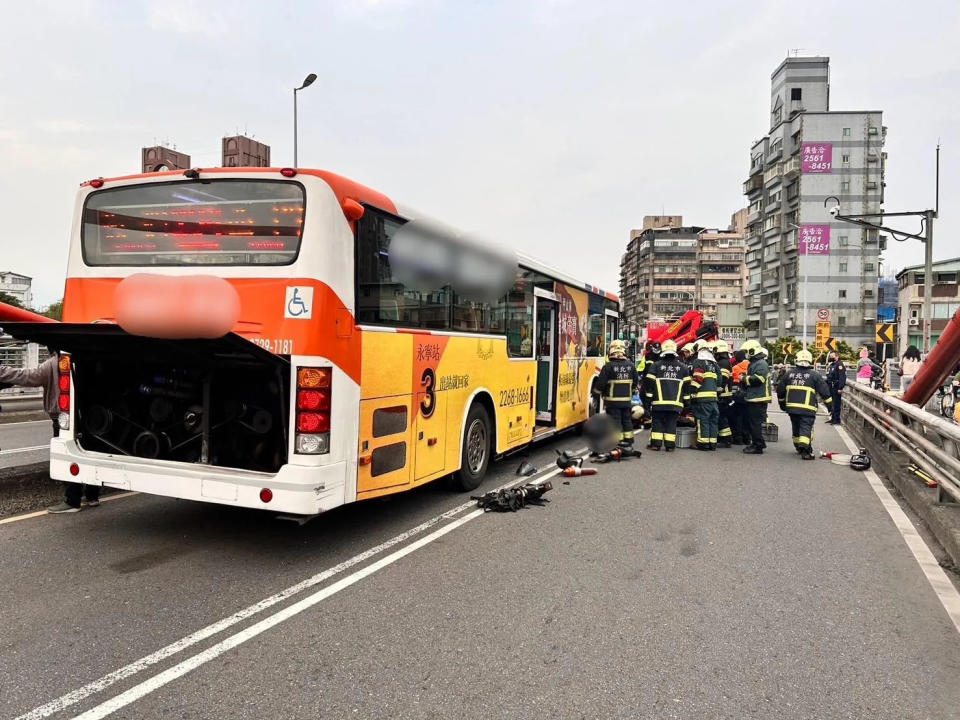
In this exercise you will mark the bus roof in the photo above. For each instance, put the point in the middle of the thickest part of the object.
(345, 189)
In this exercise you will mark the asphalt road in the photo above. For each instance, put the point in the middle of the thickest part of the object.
(22, 443)
(688, 585)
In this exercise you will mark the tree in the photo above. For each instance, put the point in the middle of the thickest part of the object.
(55, 310)
(777, 349)
(10, 300)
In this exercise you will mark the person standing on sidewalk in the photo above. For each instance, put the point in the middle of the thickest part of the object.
(47, 376)
(836, 381)
(756, 394)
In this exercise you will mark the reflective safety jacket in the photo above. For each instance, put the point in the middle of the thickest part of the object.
(664, 384)
(704, 381)
(616, 382)
(756, 382)
(798, 389)
(726, 378)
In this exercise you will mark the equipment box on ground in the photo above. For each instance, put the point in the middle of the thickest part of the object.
(684, 437)
(769, 432)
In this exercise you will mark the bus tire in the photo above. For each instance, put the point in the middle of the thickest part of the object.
(475, 452)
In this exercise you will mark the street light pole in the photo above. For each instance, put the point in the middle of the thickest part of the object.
(307, 81)
(928, 281)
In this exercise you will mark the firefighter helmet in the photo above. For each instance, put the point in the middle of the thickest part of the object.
(804, 358)
(617, 347)
(752, 347)
(669, 347)
(722, 347)
(636, 412)
(688, 349)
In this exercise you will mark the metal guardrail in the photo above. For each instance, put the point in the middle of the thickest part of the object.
(930, 441)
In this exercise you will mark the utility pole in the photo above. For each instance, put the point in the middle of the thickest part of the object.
(928, 279)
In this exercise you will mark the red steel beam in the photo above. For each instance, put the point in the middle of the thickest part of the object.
(9, 313)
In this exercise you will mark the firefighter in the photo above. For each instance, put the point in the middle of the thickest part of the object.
(797, 393)
(686, 353)
(664, 384)
(725, 395)
(616, 384)
(704, 384)
(737, 414)
(756, 394)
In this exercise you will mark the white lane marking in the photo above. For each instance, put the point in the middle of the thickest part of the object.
(40, 513)
(22, 422)
(72, 698)
(945, 590)
(14, 451)
(214, 651)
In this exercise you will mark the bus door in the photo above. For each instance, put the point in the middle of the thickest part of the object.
(546, 352)
(610, 335)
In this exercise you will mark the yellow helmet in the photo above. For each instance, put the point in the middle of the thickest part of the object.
(636, 412)
(721, 346)
(669, 347)
(804, 358)
(688, 349)
(617, 347)
(752, 347)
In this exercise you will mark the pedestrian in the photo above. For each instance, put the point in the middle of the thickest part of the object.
(725, 393)
(738, 408)
(704, 385)
(836, 381)
(909, 365)
(616, 384)
(756, 394)
(866, 367)
(664, 386)
(47, 376)
(797, 394)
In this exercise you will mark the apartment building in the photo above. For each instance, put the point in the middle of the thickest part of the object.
(944, 301)
(799, 259)
(669, 268)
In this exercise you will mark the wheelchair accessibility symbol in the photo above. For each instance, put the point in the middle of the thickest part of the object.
(299, 303)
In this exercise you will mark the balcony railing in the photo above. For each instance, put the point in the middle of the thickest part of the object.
(753, 183)
(791, 167)
(773, 173)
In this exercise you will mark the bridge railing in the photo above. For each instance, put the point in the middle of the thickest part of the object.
(930, 441)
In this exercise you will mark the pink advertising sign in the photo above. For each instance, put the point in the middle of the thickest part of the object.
(816, 158)
(814, 240)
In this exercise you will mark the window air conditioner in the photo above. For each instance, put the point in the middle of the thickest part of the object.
(914, 321)
(787, 324)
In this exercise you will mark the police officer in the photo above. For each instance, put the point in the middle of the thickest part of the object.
(616, 384)
(664, 385)
(756, 394)
(704, 385)
(836, 381)
(725, 395)
(797, 393)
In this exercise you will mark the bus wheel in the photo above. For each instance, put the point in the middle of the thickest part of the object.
(475, 453)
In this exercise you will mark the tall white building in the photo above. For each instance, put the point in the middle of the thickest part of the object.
(797, 253)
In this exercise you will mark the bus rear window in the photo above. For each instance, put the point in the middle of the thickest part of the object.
(197, 222)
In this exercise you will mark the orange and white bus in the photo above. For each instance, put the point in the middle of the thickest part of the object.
(237, 336)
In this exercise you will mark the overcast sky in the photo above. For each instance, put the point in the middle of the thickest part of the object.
(554, 125)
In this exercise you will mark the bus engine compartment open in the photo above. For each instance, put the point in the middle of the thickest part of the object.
(224, 416)
(221, 402)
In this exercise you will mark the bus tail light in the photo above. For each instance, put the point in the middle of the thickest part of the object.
(313, 405)
(63, 385)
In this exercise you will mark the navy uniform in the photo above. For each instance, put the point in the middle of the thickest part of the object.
(797, 392)
(703, 385)
(836, 381)
(725, 394)
(615, 385)
(664, 388)
(756, 394)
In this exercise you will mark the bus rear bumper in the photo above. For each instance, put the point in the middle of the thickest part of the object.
(295, 489)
